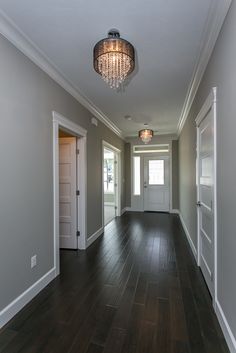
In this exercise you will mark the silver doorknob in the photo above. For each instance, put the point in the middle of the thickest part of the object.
(198, 204)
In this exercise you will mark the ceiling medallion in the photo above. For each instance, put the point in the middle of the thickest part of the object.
(114, 59)
(146, 135)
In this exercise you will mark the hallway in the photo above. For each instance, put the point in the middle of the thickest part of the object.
(137, 289)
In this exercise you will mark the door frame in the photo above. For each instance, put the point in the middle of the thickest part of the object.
(117, 151)
(59, 121)
(210, 103)
(137, 201)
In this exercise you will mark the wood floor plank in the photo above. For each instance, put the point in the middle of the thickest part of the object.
(137, 289)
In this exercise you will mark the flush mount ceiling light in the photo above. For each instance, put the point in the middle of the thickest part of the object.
(113, 59)
(146, 135)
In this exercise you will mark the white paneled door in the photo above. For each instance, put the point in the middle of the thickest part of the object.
(67, 193)
(156, 184)
(205, 197)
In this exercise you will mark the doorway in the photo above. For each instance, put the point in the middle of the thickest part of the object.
(151, 178)
(111, 183)
(206, 192)
(69, 186)
(68, 220)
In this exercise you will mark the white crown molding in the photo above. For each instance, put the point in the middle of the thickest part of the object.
(216, 17)
(22, 42)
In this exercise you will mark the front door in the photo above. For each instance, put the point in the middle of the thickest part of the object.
(205, 194)
(156, 184)
(67, 193)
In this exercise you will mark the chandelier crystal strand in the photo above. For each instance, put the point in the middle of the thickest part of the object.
(114, 68)
(114, 59)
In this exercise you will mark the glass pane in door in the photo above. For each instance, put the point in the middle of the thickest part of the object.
(156, 174)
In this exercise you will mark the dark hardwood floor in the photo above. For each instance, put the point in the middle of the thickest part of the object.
(137, 289)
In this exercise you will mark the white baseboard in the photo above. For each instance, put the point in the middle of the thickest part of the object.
(194, 250)
(123, 211)
(229, 337)
(126, 209)
(17, 304)
(94, 236)
(174, 210)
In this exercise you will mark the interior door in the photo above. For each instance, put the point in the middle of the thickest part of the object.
(156, 184)
(206, 193)
(67, 193)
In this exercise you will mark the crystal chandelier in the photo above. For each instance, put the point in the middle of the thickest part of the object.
(146, 135)
(113, 59)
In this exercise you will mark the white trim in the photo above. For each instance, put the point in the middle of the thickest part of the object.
(111, 147)
(228, 334)
(68, 124)
(125, 209)
(17, 304)
(118, 175)
(132, 209)
(210, 103)
(146, 148)
(22, 42)
(140, 203)
(61, 121)
(171, 178)
(215, 21)
(174, 211)
(192, 246)
(95, 236)
(211, 99)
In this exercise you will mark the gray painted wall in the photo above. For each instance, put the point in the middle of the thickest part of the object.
(221, 72)
(27, 98)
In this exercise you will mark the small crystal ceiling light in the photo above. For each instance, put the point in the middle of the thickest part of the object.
(146, 135)
(114, 59)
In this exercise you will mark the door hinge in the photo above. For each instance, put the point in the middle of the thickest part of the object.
(77, 151)
(116, 207)
(115, 162)
(116, 185)
(77, 192)
(78, 233)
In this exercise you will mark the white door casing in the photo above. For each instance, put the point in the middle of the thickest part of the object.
(206, 192)
(157, 184)
(117, 175)
(67, 193)
(59, 121)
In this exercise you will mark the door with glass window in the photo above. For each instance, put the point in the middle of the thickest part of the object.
(156, 184)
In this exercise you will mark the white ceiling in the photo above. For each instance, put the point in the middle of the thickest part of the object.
(167, 36)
